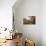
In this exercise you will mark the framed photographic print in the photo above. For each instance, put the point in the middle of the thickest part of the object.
(29, 20)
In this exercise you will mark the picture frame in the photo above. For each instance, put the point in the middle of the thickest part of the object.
(29, 20)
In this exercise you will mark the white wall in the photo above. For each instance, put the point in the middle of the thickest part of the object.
(32, 7)
(29, 8)
(6, 13)
(43, 22)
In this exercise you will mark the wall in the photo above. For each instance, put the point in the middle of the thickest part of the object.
(6, 16)
(6, 13)
(29, 8)
(43, 22)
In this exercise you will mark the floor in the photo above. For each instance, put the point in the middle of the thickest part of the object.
(9, 43)
(16, 41)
